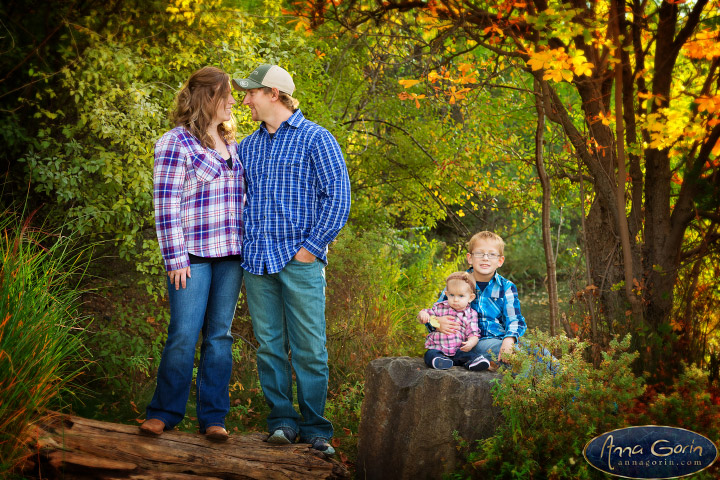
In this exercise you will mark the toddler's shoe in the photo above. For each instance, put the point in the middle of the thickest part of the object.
(440, 363)
(479, 364)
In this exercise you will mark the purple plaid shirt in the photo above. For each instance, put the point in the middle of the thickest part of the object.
(449, 344)
(198, 200)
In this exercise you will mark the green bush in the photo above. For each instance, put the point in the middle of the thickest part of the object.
(40, 343)
(378, 280)
(553, 408)
(691, 402)
(127, 347)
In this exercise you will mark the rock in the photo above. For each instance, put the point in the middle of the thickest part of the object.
(409, 414)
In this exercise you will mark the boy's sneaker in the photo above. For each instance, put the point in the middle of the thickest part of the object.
(479, 364)
(321, 445)
(441, 363)
(282, 436)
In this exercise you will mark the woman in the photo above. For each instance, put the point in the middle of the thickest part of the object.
(198, 193)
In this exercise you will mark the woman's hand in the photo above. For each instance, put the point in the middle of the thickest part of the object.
(448, 326)
(179, 277)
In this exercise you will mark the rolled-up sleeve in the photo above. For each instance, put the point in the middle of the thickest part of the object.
(334, 192)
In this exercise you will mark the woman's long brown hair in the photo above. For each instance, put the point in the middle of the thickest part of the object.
(197, 102)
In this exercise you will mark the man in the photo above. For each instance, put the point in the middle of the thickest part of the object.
(298, 199)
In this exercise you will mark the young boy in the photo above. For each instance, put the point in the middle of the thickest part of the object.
(499, 319)
(444, 351)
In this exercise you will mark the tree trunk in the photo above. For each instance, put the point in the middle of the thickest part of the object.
(540, 89)
(604, 252)
(630, 278)
(72, 447)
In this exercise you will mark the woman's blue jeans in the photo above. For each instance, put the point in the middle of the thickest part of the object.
(288, 315)
(207, 306)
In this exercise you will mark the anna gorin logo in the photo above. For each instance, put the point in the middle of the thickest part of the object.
(650, 451)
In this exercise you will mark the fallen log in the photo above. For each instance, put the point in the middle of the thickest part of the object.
(70, 447)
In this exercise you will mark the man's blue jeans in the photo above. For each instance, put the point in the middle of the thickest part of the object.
(288, 315)
(207, 306)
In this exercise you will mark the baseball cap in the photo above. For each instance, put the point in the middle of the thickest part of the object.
(267, 76)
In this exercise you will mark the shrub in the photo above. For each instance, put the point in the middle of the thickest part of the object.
(553, 408)
(377, 282)
(40, 345)
(691, 402)
(127, 346)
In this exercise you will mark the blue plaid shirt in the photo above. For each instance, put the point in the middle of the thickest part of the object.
(298, 193)
(498, 309)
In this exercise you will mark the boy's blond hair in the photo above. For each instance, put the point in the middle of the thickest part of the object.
(463, 277)
(485, 235)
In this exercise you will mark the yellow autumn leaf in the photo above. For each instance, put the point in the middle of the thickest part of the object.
(554, 75)
(580, 64)
(434, 76)
(465, 67)
(708, 104)
(704, 45)
(408, 83)
(535, 63)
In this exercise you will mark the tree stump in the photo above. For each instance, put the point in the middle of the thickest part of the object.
(410, 415)
(70, 447)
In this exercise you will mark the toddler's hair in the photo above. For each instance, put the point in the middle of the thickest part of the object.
(463, 277)
(485, 235)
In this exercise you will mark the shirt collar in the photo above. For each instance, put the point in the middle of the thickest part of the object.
(295, 120)
(446, 303)
(493, 285)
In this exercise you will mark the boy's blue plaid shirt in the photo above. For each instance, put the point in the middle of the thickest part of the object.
(298, 193)
(498, 309)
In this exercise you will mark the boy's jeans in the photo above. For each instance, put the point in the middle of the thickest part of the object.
(206, 305)
(492, 346)
(489, 344)
(288, 315)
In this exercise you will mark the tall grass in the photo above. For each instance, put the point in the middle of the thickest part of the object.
(40, 344)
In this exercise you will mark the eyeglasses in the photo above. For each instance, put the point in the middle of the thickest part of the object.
(489, 256)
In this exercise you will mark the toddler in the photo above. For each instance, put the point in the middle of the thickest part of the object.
(446, 350)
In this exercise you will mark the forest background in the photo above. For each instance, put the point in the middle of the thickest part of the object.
(455, 117)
